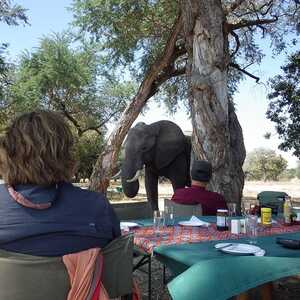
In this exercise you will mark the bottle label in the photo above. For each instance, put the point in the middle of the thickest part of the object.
(221, 221)
(266, 218)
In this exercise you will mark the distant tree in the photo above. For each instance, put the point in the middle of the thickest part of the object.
(87, 149)
(284, 106)
(264, 164)
(298, 170)
(288, 174)
(11, 15)
(62, 78)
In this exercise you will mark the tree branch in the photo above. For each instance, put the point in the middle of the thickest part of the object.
(70, 117)
(237, 41)
(236, 66)
(233, 6)
(106, 161)
(249, 23)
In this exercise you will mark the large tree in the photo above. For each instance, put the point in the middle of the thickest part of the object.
(204, 40)
(284, 106)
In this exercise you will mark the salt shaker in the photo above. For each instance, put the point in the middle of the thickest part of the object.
(235, 226)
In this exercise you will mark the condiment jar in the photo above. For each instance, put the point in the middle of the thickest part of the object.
(222, 219)
(266, 216)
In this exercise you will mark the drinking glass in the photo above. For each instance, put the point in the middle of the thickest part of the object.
(169, 216)
(251, 228)
(158, 221)
(231, 209)
(245, 208)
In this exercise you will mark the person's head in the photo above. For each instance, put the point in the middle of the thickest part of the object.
(201, 172)
(37, 148)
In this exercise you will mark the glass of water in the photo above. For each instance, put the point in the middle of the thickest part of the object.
(169, 216)
(251, 228)
(158, 221)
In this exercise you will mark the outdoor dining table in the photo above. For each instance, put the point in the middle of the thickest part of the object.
(199, 268)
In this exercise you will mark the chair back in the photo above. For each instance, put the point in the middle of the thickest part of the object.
(26, 277)
(133, 210)
(272, 199)
(117, 266)
(183, 210)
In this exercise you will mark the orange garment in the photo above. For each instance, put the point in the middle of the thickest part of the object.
(85, 274)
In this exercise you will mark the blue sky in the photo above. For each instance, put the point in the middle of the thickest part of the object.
(47, 17)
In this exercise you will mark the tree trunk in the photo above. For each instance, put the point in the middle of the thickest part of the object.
(157, 74)
(217, 135)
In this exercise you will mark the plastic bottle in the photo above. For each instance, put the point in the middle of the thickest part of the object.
(287, 211)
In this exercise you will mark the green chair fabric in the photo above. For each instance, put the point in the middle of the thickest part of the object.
(134, 210)
(271, 199)
(26, 277)
(118, 266)
(220, 279)
(183, 210)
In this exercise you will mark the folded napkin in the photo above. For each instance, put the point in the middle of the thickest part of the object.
(197, 222)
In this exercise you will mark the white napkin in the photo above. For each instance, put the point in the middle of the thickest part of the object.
(128, 225)
(197, 222)
(261, 252)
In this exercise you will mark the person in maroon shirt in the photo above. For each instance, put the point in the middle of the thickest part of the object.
(197, 194)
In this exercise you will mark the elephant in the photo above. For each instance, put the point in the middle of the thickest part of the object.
(164, 151)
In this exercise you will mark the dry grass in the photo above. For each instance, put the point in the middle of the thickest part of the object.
(251, 189)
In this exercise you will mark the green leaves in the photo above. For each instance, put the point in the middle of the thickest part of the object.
(131, 32)
(284, 105)
(60, 77)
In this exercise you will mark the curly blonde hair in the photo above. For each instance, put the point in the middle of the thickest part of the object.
(37, 148)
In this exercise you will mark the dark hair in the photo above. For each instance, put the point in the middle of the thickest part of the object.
(37, 148)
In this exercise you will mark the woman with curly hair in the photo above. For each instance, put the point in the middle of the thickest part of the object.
(42, 213)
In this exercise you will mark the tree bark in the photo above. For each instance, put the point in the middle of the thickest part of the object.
(217, 135)
(104, 166)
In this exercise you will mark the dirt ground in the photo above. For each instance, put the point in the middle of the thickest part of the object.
(284, 289)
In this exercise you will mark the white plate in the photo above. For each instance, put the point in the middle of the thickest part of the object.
(238, 249)
(129, 225)
(193, 223)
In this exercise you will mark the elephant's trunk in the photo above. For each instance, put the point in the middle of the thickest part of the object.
(130, 183)
(136, 176)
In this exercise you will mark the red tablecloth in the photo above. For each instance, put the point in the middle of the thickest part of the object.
(145, 238)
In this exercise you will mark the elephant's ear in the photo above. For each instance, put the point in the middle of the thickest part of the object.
(170, 142)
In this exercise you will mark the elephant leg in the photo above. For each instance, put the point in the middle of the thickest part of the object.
(178, 172)
(151, 184)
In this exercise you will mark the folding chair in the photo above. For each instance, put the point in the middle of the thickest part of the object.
(26, 277)
(134, 211)
(183, 210)
(272, 199)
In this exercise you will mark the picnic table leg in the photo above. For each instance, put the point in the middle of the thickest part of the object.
(266, 291)
(243, 296)
(149, 277)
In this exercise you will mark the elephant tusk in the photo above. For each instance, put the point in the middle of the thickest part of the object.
(136, 176)
(116, 176)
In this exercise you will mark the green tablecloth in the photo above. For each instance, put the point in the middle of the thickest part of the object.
(216, 275)
(220, 279)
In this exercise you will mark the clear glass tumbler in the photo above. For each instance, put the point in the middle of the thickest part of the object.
(251, 228)
(231, 209)
(169, 216)
(158, 221)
